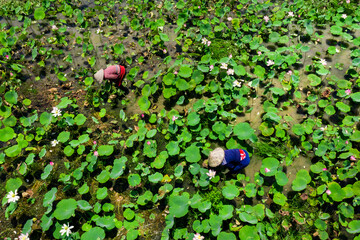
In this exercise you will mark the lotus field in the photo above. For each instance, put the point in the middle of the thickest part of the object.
(90, 161)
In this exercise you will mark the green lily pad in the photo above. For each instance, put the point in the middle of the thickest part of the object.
(337, 193)
(354, 227)
(7, 134)
(160, 160)
(145, 198)
(226, 236)
(13, 184)
(105, 150)
(192, 154)
(281, 178)
(179, 205)
(249, 233)
(39, 13)
(134, 179)
(193, 119)
(129, 214)
(95, 233)
(243, 131)
(63, 136)
(314, 80)
(279, 199)
(65, 209)
(118, 168)
(185, 71)
(230, 191)
(144, 103)
(301, 180)
(11, 97)
(102, 193)
(269, 166)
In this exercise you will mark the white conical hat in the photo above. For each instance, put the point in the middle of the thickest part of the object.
(216, 157)
(99, 75)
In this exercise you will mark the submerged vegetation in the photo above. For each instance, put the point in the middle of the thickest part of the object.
(79, 160)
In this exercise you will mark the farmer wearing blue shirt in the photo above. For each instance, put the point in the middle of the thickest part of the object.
(234, 159)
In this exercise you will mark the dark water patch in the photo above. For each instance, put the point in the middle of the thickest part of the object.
(344, 44)
(305, 38)
(121, 185)
(111, 234)
(36, 234)
(331, 42)
(107, 184)
(29, 179)
(336, 118)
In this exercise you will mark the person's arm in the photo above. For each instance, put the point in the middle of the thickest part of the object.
(111, 72)
(237, 168)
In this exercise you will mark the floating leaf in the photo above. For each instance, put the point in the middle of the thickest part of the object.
(65, 209)
(144, 103)
(281, 178)
(185, 71)
(230, 191)
(13, 184)
(7, 134)
(192, 154)
(243, 131)
(106, 150)
(179, 205)
(301, 180)
(354, 227)
(279, 199)
(337, 193)
(134, 179)
(314, 80)
(94, 233)
(11, 97)
(129, 214)
(118, 168)
(39, 13)
(269, 166)
(248, 233)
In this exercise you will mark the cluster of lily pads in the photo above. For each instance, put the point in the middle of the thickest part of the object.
(91, 167)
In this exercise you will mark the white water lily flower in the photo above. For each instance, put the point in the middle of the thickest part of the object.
(66, 229)
(12, 196)
(236, 83)
(197, 236)
(98, 31)
(270, 63)
(211, 174)
(291, 14)
(24, 236)
(56, 112)
(54, 142)
(344, 16)
(230, 71)
(204, 41)
(54, 27)
(224, 66)
(266, 18)
(337, 50)
(323, 62)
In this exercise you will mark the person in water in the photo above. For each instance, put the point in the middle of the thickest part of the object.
(234, 159)
(114, 73)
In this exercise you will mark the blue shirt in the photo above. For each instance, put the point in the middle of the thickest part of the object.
(233, 162)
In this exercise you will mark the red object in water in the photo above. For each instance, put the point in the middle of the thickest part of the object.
(115, 73)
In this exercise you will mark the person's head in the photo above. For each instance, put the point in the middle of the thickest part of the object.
(216, 157)
(99, 76)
